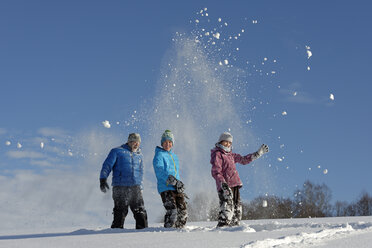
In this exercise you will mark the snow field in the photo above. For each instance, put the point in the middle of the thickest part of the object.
(316, 232)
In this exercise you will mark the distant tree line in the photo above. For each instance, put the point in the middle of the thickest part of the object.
(311, 201)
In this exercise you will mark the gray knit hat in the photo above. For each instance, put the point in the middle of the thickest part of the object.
(167, 135)
(134, 137)
(225, 136)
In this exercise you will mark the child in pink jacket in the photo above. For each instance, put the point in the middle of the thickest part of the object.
(227, 178)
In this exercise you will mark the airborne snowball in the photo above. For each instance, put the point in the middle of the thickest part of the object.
(106, 124)
(264, 203)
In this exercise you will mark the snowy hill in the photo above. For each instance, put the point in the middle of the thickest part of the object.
(317, 232)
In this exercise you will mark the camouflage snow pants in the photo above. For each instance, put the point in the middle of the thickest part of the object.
(230, 208)
(124, 197)
(176, 210)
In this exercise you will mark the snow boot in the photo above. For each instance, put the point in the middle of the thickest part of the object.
(140, 215)
(118, 221)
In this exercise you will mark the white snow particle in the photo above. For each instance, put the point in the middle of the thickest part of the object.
(308, 68)
(295, 93)
(8, 143)
(41, 145)
(264, 203)
(325, 171)
(332, 97)
(19, 145)
(197, 21)
(284, 113)
(219, 19)
(106, 124)
(217, 35)
(226, 62)
(280, 159)
(309, 54)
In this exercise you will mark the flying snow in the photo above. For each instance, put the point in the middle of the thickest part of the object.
(41, 145)
(284, 113)
(217, 35)
(309, 53)
(106, 124)
(325, 171)
(332, 97)
(264, 203)
(19, 145)
(8, 143)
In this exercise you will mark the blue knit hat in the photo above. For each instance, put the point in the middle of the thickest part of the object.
(167, 135)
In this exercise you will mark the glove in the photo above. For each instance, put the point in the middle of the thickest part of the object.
(261, 151)
(180, 187)
(227, 193)
(103, 185)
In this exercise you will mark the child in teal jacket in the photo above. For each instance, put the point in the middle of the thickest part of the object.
(170, 187)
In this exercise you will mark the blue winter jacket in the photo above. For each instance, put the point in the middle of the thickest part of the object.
(165, 163)
(126, 166)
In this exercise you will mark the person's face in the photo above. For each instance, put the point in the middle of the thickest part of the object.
(167, 145)
(134, 145)
(226, 143)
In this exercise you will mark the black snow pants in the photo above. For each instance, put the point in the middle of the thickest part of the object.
(230, 208)
(124, 197)
(176, 209)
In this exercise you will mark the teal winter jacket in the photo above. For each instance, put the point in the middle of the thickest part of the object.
(165, 163)
(126, 166)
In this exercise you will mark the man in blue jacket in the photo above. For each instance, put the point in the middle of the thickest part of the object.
(126, 164)
(170, 188)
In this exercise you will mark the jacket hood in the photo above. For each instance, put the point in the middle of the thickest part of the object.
(161, 149)
(216, 148)
(127, 147)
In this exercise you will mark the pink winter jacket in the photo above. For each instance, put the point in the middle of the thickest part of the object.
(224, 168)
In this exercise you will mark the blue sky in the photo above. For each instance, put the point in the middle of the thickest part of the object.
(67, 66)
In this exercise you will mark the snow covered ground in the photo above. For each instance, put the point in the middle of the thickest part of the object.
(317, 232)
